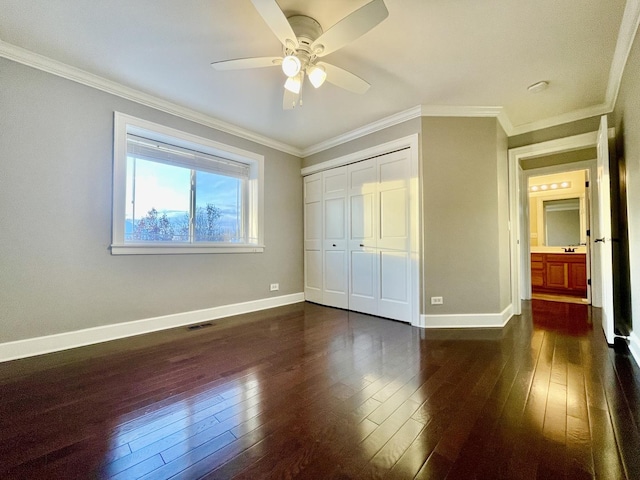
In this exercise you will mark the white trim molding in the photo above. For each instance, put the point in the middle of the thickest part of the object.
(467, 320)
(252, 203)
(63, 341)
(517, 197)
(634, 347)
(410, 141)
(574, 116)
(410, 114)
(626, 35)
(40, 62)
(628, 28)
(373, 127)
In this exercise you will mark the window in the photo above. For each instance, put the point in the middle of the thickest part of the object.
(177, 193)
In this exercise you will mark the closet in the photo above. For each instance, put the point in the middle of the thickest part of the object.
(357, 236)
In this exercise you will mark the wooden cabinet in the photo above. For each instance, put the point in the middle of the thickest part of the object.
(560, 273)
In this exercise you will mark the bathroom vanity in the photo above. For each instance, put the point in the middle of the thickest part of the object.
(559, 273)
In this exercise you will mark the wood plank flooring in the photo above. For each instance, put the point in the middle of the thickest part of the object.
(306, 391)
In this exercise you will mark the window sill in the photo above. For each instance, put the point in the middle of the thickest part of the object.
(147, 249)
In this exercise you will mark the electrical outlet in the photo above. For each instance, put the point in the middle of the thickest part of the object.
(436, 301)
(274, 287)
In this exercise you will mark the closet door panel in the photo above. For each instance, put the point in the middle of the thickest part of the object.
(335, 254)
(313, 275)
(313, 226)
(313, 238)
(362, 215)
(393, 197)
(363, 266)
(334, 219)
(335, 279)
(394, 285)
(363, 288)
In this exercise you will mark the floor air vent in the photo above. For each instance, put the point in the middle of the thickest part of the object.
(198, 327)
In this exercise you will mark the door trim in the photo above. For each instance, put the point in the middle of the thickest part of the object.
(410, 142)
(516, 202)
(590, 166)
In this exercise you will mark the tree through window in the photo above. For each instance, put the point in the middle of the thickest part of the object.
(177, 194)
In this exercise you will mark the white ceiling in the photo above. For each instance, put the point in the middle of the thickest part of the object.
(427, 52)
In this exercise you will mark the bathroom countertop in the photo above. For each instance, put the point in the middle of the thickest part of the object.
(580, 249)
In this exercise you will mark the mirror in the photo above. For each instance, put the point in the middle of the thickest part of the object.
(562, 222)
(558, 211)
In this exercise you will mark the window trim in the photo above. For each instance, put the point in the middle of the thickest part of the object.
(126, 124)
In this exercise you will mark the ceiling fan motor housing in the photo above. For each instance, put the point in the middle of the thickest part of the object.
(307, 30)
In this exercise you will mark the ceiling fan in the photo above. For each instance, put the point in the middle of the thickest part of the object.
(304, 43)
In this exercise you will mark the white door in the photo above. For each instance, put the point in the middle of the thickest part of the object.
(394, 236)
(589, 229)
(603, 237)
(335, 281)
(313, 238)
(363, 227)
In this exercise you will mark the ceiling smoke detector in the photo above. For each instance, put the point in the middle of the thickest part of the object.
(538, 87)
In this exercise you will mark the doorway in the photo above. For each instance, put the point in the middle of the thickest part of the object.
(519, 215)
(559, 211)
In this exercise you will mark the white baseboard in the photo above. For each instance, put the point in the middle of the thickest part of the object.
(634, 347)
(467, 320)
(78, 338)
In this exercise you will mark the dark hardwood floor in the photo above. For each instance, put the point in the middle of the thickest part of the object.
(312, 392)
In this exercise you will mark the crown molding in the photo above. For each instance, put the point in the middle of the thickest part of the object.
(626, 36)
(581, 114)
(373, 127)
(466, 111)
(405, 115)
(459, 111)
(40, 62)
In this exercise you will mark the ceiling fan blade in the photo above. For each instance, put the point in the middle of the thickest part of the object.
(351, 27)
(277, 21)
(242, 63)
(290, 100)
(344, 79)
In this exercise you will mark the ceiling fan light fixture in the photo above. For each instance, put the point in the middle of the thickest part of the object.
(291, 65)
(294, 84)
(317, 75)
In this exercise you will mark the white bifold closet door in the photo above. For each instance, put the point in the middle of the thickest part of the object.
(313, 238)
(379, 236)
(335, 286)
(357, 236)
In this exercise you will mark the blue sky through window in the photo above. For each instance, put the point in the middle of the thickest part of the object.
(167, 188)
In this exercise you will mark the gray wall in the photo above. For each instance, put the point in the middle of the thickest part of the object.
(56, 270)
(465, 210)
(586, 125)
(559, 158)
(504, 251)
(627, 123)
(401, 130)
(465, 218)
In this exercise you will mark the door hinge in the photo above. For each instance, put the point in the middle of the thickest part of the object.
(586, 184)
(588, 281)
(588, 233)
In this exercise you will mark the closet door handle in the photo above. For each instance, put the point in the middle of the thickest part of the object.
(362, 244)
(599, 240)
(334, 244)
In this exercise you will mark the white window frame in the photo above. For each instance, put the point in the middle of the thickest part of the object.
(126, 124)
